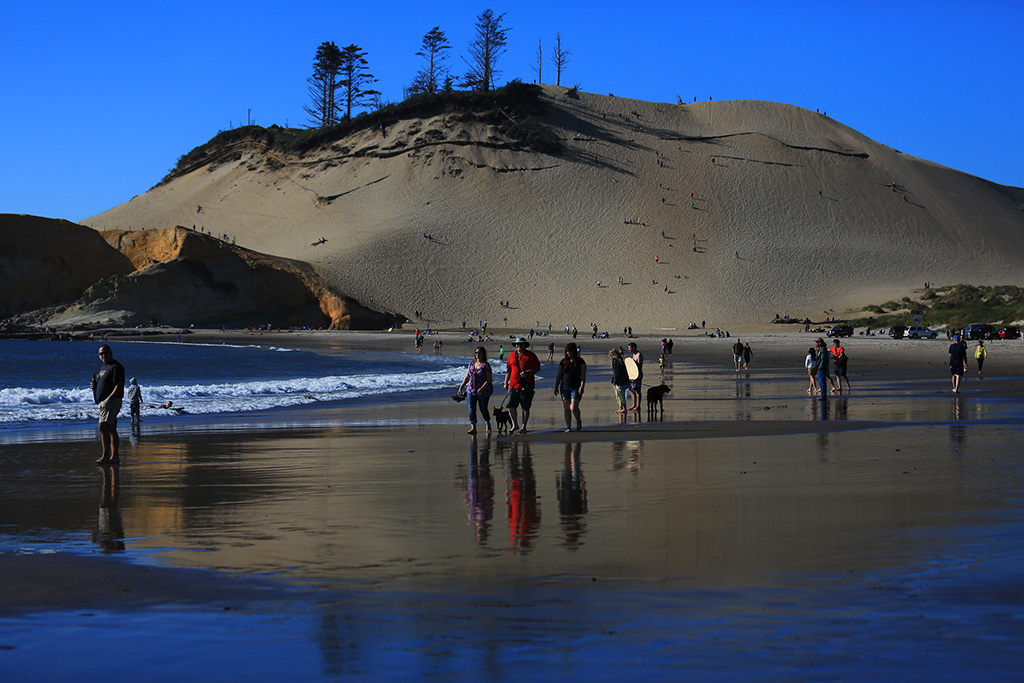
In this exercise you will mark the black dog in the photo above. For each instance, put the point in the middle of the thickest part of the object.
(656, 399)
(502, 419)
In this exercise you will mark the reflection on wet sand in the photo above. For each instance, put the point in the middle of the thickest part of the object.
(479, 494)
(521, 498)
(572, 496)
(109, 533)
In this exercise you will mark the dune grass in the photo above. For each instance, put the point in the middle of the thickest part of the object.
(955, 306)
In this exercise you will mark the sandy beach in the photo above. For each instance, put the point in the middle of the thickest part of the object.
(749, 532)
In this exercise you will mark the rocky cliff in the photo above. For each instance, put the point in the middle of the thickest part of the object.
(59, 274)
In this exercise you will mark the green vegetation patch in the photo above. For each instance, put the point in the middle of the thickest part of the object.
(956, 306)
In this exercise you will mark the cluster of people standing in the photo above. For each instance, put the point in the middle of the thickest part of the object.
(818, 361)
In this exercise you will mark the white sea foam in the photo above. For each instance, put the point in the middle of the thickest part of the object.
(19, 405)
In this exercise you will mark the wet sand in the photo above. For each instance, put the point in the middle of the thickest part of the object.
(750, 532)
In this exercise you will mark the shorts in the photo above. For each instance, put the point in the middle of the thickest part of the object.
(957, 369)
(523, 397)
(635, 384)
(569, 394)
(109, 409)
(737, 358)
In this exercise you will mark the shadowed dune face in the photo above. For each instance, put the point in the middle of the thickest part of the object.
(61, 274)
(724, 211)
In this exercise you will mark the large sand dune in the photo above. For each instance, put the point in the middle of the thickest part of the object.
(793, 212)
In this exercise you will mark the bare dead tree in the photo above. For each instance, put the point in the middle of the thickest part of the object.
(560, 57)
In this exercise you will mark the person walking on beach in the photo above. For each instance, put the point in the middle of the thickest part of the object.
(747, 355)
(520, 379)
(980, 353)
(572, 376)
(822, 359)
(737, 355)
(811, 363)
(957, 362)
(478, 384)
(635, 385)
(134, 401)
(551, 351)
(108, 392)
(620, 379)
(840, 359)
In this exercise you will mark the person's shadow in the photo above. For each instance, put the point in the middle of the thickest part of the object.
(109, 533)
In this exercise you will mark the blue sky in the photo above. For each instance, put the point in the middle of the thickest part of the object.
(101, 98)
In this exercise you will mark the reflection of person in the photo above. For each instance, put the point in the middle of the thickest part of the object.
(523, 366)
(108, 391)
(957, 362)
(480, 491)
(479, 386)
(109, 534)
(134, 400)
(521, 496)
(572, 496)
(572, 376)
(636, 384)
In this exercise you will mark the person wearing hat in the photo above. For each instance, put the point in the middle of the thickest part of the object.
(135, 400)
(523, 366)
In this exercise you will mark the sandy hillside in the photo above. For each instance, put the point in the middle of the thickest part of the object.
(793, 213)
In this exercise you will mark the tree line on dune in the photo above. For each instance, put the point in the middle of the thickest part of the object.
(342, 81)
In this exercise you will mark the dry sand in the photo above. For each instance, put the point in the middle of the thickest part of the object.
(794, 213)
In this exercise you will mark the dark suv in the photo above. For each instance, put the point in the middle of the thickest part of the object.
(840, 331)
(978, 331)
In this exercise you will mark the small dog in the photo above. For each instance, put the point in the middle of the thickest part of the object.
(656, 398)
(502, 419)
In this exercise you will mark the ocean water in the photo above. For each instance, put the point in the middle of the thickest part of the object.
(46, 383)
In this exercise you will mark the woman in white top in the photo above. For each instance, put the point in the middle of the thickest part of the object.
(811, 364)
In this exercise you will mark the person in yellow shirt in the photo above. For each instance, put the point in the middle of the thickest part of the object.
(979, 354)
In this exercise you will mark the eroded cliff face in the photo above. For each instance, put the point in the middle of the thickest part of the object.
(45, 262)
(60, 274)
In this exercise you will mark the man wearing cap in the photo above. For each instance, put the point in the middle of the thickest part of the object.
(523, 366)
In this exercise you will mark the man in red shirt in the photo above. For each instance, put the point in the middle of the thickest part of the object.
(523, 365)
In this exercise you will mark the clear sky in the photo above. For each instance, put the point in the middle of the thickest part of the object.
(99, 99)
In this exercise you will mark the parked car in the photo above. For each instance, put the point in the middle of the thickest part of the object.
(896, 331)
(916, 332)
(1005, 333)
(978, 331)
(841, 331)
